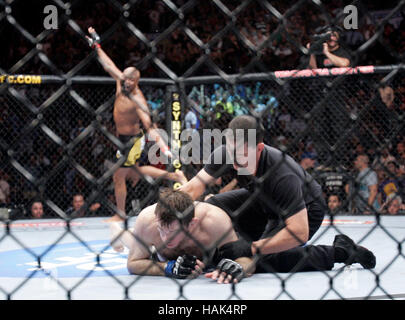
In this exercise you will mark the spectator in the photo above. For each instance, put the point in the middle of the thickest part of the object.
(382, 160)
(365, 188)
(298, 126)
(248, 30)
(334, 203)
(191, 119)
(333, 181)
(393, 205)
(354, 38)
(36, 209)
(231, 54)
(384, 111)
(284, 119)
(401, 148)
(308, 160)
(77, 208)
(401, 172)
(387, 95)
(4, 188)
(283, 50)
(390, 184)
(77, 130)
(154, 19)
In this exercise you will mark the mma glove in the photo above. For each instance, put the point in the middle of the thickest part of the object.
(236, 249)
(232, 268)
(94, 41)
(182, 267)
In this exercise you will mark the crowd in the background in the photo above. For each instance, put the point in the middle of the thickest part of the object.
(376, 143)
(43, 158)
(374, 149)
(280, 43)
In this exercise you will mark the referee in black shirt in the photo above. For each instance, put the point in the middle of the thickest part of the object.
(279, 205)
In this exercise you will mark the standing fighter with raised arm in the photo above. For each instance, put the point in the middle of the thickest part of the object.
(130, 109)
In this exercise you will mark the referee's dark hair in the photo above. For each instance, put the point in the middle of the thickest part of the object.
(246, 122)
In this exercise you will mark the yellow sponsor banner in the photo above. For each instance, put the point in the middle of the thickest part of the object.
(176, 131)
(20, 79)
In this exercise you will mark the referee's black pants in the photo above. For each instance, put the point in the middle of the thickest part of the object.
(252, 223)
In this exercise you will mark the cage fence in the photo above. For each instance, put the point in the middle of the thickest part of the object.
(57, 128)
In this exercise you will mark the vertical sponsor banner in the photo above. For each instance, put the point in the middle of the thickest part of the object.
(174, 125)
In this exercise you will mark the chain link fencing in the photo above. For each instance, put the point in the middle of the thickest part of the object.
(306, 119)
(58, 134)
(57, 157)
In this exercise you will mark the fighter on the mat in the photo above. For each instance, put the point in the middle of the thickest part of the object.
(130, 110)
(178, 237)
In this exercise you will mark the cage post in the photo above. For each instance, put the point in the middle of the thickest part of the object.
(174, 112)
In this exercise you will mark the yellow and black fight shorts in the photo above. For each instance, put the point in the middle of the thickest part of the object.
(134, 152)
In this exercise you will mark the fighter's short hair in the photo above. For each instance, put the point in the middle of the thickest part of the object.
(174, 205)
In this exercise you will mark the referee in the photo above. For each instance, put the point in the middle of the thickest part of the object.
(279, 206)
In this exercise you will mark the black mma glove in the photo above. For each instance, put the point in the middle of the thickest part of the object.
(236, 249)
(94, 40)
(231, 268)
(182, 267)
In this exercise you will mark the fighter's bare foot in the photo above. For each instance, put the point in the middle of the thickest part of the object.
(115, 236)
(117, 246)
(181, 177)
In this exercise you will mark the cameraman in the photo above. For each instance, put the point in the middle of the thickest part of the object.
(326, 51)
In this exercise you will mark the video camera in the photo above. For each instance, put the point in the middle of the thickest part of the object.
(317, 41)
(323, 35)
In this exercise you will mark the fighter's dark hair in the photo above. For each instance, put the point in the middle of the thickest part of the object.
(174, 205)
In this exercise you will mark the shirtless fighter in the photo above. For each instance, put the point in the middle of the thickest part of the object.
(130, 110)
(178, 238)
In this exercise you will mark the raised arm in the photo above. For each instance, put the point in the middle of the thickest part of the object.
(144, 114)
(139, 99)
(108, 65)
